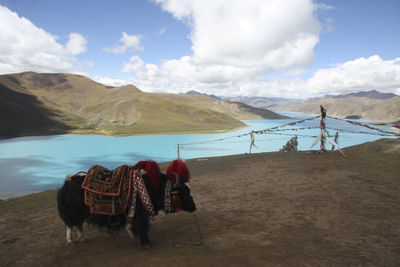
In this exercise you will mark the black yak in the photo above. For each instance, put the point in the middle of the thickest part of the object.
(169, 192)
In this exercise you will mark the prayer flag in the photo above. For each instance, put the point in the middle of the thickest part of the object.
(316, 140)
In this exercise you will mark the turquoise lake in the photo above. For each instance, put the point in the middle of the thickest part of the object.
(33, 164)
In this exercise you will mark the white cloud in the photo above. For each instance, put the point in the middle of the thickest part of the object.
(236, 42)
(127, 42)
(362, 74)
(162, 31)
(179, 8)
(25, 47)
(322, 6)
(358, 75)
(112, 81)
(328, 23)
(76, 44)
(256, 33)
(135, 65)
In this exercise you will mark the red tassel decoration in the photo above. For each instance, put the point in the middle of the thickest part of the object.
(153, 173)
(176, 203)
(179, 167)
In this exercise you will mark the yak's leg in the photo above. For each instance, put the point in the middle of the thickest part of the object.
(142, 226)
(69, 235)
(129, 229)
(79, 230)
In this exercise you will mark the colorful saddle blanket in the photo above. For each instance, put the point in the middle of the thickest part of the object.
(108, 192)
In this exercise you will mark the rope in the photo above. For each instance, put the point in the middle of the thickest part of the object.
(301, 135)
(365, 125)
(235, 142)
(215, 140)
(284, 130)
(198, 231)
(349, 131)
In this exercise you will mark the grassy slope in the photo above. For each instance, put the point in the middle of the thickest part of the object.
(236, 110)
(24, 113)
(73, 103)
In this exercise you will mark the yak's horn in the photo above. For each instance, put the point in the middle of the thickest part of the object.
(176, 184)
(142, 172)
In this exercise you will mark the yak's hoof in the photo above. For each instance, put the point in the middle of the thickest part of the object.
(70, 242)
(129, 229)
(147, 246)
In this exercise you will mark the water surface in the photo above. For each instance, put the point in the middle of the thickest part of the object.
(33, 164)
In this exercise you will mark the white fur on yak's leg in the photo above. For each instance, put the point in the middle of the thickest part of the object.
(129, 229)
(69, 235)
(81, 236)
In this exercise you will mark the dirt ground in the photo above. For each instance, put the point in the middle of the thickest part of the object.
(269, 209)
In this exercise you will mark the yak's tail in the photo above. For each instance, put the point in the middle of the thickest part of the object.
(69, 176)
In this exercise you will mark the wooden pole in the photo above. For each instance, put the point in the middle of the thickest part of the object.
(322, 123)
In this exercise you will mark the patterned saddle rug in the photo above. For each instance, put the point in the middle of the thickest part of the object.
(108, 192)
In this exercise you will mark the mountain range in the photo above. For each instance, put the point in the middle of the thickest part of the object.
(370, 105)
(45, 104)
(42, 104)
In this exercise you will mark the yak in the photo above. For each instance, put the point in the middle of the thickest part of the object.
(169, 192)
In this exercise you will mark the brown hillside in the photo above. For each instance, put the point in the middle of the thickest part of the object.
(387, 110)
(20, 112)
(81, 105)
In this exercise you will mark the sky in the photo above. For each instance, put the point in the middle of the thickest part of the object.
(269, 48)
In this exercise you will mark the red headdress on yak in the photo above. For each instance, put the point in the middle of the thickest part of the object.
(153, 173)
(178, 171)
(178, 167)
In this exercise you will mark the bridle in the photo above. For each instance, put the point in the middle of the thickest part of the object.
(168, 193)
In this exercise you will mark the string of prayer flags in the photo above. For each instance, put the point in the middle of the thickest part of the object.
(358, 132)
(270, 130)
(294, 123)
(368, 126)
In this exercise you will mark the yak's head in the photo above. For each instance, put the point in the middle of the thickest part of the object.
(181, 196)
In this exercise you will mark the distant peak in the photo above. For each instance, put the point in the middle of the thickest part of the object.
(374, 94)
(128, 87)
(193, 92)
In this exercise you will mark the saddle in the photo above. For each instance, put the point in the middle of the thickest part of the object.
(107, 192)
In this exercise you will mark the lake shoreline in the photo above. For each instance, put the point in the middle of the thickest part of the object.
(104, 133)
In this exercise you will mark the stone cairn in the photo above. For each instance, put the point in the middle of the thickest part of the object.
(290, 146)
